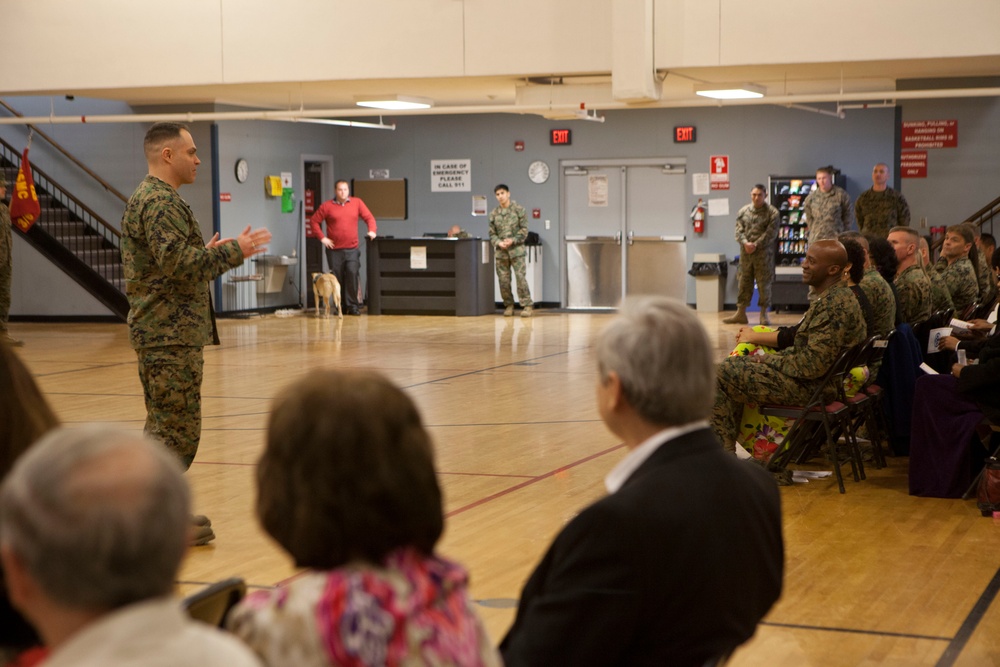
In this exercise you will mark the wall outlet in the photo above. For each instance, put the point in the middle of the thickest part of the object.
(548, 224)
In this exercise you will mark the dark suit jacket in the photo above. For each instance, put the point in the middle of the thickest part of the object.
(981, 382)
(677, 566)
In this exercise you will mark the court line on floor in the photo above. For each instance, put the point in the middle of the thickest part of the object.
(858, 631)
(529, 482)
(970, 623)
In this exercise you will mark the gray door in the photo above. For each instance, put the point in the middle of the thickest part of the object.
(624, 230)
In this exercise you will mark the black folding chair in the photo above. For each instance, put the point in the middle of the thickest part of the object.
(820, 421)
(211, 604)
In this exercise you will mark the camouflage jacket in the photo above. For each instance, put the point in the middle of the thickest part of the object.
(883, 301)
(833, 323)
(878, 212)
(987, 285)
(940, 296)
(757, 225)
(913, 295)
(961, 280)
(5, 236)
(827, 213)
(509, 223)
(167, 269)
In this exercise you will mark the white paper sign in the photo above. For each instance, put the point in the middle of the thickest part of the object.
(451, 175)
(597, 190)
(479, 205)
(699, 184)
(718, 207)
(418, 257)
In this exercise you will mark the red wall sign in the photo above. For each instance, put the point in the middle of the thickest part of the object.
(930, 133)
(225, 196)
(560, 137)
(913, 164)
(685, 134)
(718, 172)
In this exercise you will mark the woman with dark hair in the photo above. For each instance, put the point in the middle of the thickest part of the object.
(25, 416)
(351, 493)
(885, 263)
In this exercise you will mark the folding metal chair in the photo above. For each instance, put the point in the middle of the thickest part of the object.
(866, 404)
(211, 604)
(820, 421)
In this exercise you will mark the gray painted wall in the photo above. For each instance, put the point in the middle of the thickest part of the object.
(760, 140)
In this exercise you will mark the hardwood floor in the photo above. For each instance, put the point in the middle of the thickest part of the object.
(873, 577)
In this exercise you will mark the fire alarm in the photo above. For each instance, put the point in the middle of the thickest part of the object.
(536, 213)
(519, 146)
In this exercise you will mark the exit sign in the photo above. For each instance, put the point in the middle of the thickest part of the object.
(560, 138)
(685, 134)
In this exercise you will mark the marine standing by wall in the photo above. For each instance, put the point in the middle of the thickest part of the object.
(508, 231)
(756, 231)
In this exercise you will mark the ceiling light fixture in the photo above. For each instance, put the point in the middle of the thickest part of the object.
(743, 91)
(394, 102)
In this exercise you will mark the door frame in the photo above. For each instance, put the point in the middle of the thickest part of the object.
(676, 164)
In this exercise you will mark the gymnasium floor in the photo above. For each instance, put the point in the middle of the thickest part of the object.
(873, 577)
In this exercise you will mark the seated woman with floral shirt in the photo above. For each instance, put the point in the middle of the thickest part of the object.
(347, 486)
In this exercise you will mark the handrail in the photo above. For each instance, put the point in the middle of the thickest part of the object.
(985, 214)
(107, 186)
(42, 180)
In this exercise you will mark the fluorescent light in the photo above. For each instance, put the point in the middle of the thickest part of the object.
(742, 91)
(394, 102)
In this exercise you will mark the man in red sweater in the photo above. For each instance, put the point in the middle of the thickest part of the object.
(341, 240)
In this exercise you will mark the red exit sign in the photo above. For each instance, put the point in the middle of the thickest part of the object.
(685, 134)
(560, 137)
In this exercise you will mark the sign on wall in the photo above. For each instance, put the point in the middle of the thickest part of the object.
(718, 173)
(451, 175)
(913, 164)
(930, 134)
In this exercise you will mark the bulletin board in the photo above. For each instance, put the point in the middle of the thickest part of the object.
(385, 198)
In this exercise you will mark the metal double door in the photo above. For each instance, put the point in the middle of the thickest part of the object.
(624, 228)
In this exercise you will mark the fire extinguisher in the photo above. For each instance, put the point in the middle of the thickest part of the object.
(698, 216)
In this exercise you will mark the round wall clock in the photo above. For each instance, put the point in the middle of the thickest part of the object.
(538, 171)
(242, 170)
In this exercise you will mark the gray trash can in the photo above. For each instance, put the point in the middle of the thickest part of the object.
(710, 270)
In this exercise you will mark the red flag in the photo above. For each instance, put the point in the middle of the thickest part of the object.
(24, 206)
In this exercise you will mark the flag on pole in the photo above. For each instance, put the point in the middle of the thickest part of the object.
(24, 206)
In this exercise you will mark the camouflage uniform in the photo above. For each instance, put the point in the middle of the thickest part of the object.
(827, 213)
(913, 295)
(883, 301)
(167, 269)
(6, 265)
(756, 225)
(987, 286)
(833, 323)
(878, 212)
(940, 296)
(961, 280)
(510, 223)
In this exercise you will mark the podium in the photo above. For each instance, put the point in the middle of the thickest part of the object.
(430, 276)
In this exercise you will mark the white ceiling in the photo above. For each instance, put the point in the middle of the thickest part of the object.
(804, 83)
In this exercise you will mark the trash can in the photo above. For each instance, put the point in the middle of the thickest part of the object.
(710, 271)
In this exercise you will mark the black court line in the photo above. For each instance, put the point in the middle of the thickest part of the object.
(856, 631)
(979, 609)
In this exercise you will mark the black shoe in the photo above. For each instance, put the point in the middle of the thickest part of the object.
(352, 311)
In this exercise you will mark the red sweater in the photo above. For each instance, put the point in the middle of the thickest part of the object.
(342, 221)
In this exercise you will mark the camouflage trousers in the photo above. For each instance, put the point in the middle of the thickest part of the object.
(742, 380)
(5, 272)
(504, 264)
(171, 384)
(757, 266)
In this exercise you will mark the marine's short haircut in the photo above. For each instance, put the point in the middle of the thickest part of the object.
(160, 134)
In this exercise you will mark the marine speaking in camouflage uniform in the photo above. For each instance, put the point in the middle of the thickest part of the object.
(508, 231)
(827, 208)
(756, 231)
(880, 208)
(956, 267)
(6, 263)
(167, 270)
(913, 287)
(833, 323)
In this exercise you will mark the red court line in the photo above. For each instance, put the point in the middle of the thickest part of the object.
(518, 487)
(485, 474)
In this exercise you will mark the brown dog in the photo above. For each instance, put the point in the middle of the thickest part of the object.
(327, 287)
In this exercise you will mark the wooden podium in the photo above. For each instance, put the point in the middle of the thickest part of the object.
(430, 276)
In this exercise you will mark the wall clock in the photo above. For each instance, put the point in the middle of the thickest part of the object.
(538, 171)
(242, 170)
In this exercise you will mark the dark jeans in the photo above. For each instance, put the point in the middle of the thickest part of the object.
(346, 265)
